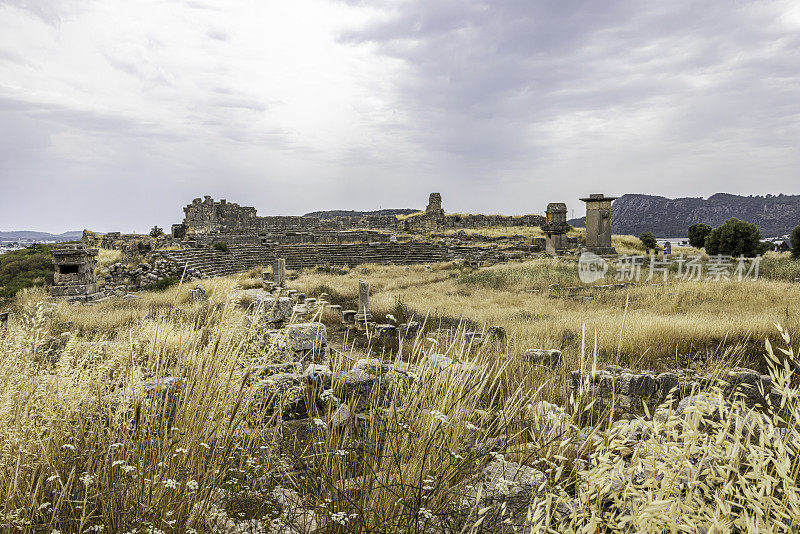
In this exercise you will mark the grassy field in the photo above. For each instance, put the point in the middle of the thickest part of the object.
(147, 415)
(643, 326)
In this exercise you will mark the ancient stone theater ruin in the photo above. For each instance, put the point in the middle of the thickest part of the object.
(217, 238)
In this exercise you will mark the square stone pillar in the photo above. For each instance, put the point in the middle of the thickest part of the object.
(556, 228)
(598, 223)
(363, 315)
(279, 272)
(74, 277)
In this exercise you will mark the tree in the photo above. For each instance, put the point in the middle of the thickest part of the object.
(698, 233)
(794, 240)
(735, 238)
(156, 231)
(648, 240)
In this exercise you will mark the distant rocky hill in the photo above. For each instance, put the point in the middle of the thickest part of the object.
(30, 235)
(774, 215)
(348, 213)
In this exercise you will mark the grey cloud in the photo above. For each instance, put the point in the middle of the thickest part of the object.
(218, 35)
(479, 73)
(502, 106)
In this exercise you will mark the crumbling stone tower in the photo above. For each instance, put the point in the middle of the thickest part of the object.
(598, 223)
(434, 208)
(556, 228)
(434, 214)
(74, 276)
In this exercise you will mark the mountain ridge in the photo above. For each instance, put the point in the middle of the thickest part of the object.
(32, 235)
(635, 213)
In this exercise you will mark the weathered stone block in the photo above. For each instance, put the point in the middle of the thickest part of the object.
(551, 358)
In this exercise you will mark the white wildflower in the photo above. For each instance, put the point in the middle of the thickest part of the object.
(87, 479)
(471, 427)
(204, 444)
(328, 395)
(192, 485)
(68, 446)
(341, 452)
(171, 483)
(320, 423)
(439, 416)
(504, 486)
(497, 456)
(427, 514)
(340, 517)
(115, 463)
(182, 450)
(53, 477)
(128, 469)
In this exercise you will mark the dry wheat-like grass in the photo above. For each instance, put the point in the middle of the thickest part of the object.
(145, 416)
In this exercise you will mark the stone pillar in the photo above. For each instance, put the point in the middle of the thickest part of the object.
(279, 272)
(363, 314)
(598, 223)
(556, 228)
(74, 276)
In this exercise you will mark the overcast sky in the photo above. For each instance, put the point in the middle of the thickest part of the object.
(116, 114)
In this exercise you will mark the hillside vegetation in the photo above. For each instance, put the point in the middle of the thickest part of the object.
(28, 267)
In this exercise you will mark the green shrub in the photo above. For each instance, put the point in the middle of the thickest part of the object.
(29, 267)
(698, 233)
(648, 241)
(222, 247)
(735, 238)
(794, 240)
(155, 231)
(162, 284)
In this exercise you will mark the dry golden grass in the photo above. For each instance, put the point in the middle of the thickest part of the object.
(660, 321)
(107, 257)
(84, 448)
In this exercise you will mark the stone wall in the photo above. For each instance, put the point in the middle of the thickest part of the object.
(423, 222)
(628, 392)
(209, 217)
(122, 279)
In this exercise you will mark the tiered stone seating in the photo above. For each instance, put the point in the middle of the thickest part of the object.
(239, 258)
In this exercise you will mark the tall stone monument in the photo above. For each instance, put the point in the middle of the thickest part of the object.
(598, 223)
(279, 272)
(363, 315)
(74, 277)
(556, 228)
(434, 209)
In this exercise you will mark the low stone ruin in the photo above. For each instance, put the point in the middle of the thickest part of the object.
(122, 279)
(630, 393)
(74, 278)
